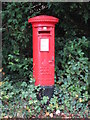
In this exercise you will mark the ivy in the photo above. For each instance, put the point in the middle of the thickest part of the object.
(19, 95)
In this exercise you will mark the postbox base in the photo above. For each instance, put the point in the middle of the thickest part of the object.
(45, 91)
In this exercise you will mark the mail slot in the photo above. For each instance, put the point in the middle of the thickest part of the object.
(43, 49)
(44, 32)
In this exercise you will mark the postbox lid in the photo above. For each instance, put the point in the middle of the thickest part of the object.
(43, 18)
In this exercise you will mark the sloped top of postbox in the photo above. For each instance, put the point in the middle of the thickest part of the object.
(43, 18)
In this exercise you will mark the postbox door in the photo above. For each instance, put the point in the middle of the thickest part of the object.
(46, 59)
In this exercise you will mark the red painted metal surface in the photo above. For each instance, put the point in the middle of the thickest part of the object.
(43, 49)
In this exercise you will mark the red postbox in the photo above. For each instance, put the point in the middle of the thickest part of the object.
(43, 49)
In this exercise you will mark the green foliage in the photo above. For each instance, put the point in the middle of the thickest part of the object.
(72, 85)
(20, 100)
(19, 95)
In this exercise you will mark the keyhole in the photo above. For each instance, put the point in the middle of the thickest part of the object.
(52, 58)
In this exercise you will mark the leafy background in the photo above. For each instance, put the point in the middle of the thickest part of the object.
(72, 35)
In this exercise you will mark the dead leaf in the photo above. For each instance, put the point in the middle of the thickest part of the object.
(56, 105)
(1, 69)
(76, 96)
(0, 83)
(57, 112)
(5, 117)
(80, 99)
(51, 115)
(47, 114)
(3, 73)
